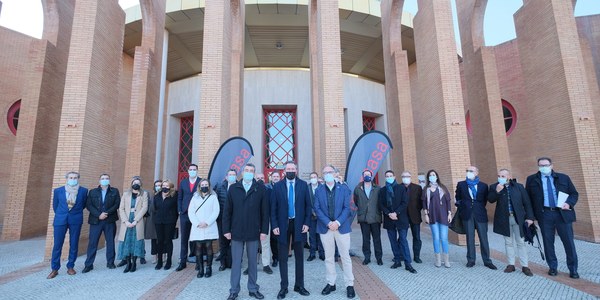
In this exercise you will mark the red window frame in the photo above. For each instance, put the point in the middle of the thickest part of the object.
(12, 117)
(278, 140)
(186, 135)
(505, 106)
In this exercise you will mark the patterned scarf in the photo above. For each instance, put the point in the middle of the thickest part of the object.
(389, 189)
(472, 184)
(71, 195)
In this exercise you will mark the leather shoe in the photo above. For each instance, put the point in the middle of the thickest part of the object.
(246, 271)
(122, 263)
(275, 263)
(328, 289)
(256, 295)
(350, 292)
(322, 257)
(396, 265)
(552, 272)
(268, 270)
(52, 274)
(222, 268)
(418, 260)
(232, 296)
(111, 266)
(411, 269)
(509, 269)
(380, 262)
(310, 258)
(282, 293)
(301, 290)
(71, 271)
(470, 264)
(181, 267)
(366, 261)
(574, 275)
(491, 266)
(87, 269)
(143, 260)
(527, 271)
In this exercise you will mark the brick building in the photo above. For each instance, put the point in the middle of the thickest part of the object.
(149, 90)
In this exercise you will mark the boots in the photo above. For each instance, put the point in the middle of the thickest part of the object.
(128, 262)
(133, 264)
(200, 264)
(209, 259)
(159, 262)
(446, 260)
(438, 260)
(122, 263)
(168, 263)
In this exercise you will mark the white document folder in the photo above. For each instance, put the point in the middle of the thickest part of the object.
(562, 198)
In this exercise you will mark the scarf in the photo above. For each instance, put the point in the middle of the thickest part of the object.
(389, 190)
(71, 195)
(472, 184)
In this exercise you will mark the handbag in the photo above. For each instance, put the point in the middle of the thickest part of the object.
(456, 224)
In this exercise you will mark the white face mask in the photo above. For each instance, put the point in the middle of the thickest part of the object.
(313, 181)
(406, 180)
(470, 175)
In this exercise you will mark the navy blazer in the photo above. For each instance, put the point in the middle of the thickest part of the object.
(469, 206)
(562, 183)
(399, 206)
(62, 214)
(184, 195)
(280, 206)
(342, 208)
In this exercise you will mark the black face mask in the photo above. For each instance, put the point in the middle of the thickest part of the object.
(135, 187)
(165, 190)
(260, 181)
(290, 175)
(204, 189)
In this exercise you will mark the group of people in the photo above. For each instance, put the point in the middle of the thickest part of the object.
(278, 217)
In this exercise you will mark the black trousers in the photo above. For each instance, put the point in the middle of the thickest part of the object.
(369, 230)
(415, 229)
(275, 246)
(224, 245)
(298, 247)
(185, 227)
(164, 238)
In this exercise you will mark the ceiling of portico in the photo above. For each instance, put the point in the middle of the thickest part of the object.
(266, 26)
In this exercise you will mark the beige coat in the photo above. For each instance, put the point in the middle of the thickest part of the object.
(141, 207)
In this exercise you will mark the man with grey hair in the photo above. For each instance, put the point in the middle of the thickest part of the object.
(68, 203)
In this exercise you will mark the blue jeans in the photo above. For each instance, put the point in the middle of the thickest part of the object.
(439, 233)
(399, 245)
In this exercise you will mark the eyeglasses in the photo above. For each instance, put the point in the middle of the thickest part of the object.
(328, 172)
(544, 165)
(470, 171)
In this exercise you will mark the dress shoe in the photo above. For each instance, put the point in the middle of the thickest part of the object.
(301, 290)
(87, 269)
(311, 257)
(328, 289)
(52, 274)
(574, 275)
(396, 265)
(490, 265)
(322, 257)
(159, 265)
(246, 271)
(275, 263)
(181, 267)
(350, 292)
(111, 266)
(509, 269)
(366, 261)
(380, 262)
(167, 265)
(337, 258)
(411, 269)
(552, 272)
(267, 270)
(527, 271)
(418, 260)
(122, 263)
(470, 264)
(222, 268)
(306, 246)
(71, 271)
(282, 293)
(256, 295)
(143, 260)
(232, 296)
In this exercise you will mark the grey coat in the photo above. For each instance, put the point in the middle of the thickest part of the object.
(368, 208)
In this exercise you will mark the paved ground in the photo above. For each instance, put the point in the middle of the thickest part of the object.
(23, 276)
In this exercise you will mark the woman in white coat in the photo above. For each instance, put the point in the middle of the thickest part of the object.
(203, 213)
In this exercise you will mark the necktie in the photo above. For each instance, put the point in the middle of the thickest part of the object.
(551, 200)
(291, 200)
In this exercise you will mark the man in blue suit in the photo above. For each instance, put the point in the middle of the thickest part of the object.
(290, 215)
(187, 188)
(544, 189)
(332, 206)
(471, 198)
(68, 203)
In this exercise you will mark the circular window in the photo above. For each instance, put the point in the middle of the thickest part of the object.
(12, 118)
(509, 115)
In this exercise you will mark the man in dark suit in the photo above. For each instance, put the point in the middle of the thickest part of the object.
(415, 205)
(245, 223)
(224, 244)
(187, 188)
(471, 198)
(68, 203)
(545, 189)
(290, 215)
(102, 203)
(313, 236)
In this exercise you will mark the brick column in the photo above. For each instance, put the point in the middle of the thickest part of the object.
(222, 78)
(145, 96)
(325, 61)
(562, 123)
(482, 95)
(36, 141)
(443, 121)
(85, 135)
(397, 89)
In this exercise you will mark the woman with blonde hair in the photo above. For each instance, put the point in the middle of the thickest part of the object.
(133, 207)
(165, 219)
(203, 213)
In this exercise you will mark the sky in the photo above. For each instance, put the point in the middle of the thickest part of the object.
(26, 16)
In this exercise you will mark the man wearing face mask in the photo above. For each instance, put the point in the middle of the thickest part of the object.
(187, 188)
(415, 205)
(548, 190)
(102, 203)
(513, 209)
(274, 178)
(366, 197)
(68, 203)
(224, 244)
(471, 198)
(313, 236)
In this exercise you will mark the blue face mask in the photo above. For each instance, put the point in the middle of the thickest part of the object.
(433, 179)
(193, 173)
(328, 178)
(501, 181)
(231, 178)
(367, 178)
(248, 176)
(104, 182)
(390, 180)
(158, 188)
(72, 182)
(545, 170)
